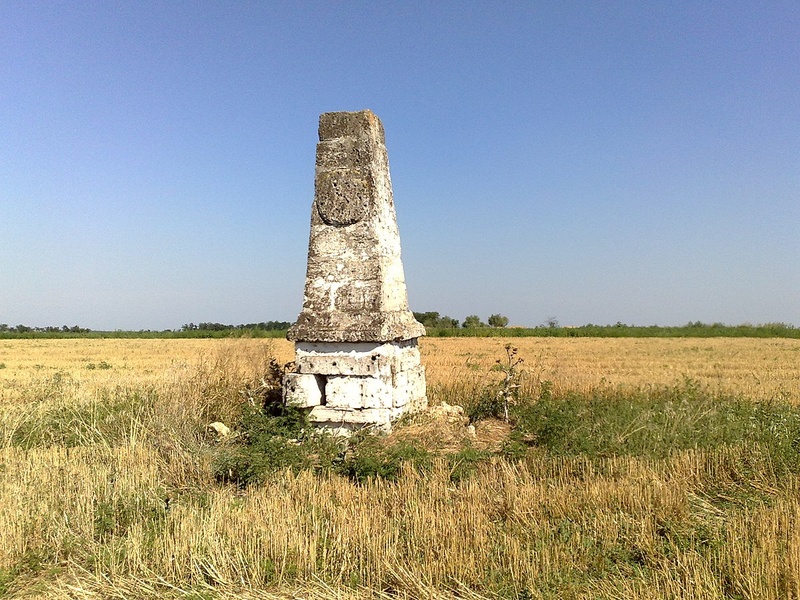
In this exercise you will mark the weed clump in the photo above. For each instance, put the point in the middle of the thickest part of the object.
(270, 441)
(274, 438)
(653, 422)
(367, 458)
(657, 423)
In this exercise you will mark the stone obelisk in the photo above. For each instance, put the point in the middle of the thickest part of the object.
(357, 359)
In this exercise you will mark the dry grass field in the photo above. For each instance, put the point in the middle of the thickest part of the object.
(107, 486)
(756, 368)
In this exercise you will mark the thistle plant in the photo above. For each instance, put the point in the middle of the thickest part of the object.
(508, 392)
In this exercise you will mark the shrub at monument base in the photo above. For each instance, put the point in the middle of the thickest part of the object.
(110, 483)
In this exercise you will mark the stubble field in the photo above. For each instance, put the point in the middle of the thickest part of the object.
(108, 487)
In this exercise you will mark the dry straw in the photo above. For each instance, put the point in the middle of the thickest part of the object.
(106, 487)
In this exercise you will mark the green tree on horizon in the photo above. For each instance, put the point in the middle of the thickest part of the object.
(473, 322)
(498, 320)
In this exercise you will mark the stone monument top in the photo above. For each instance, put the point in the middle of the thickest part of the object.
(355, 287)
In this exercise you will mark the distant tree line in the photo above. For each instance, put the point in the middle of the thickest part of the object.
(190, 330)
(436, 325)
(432, 320)
(4, 328)
(263, 326)
(694, 329)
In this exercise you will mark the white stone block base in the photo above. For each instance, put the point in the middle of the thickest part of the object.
(303, 390)
(353, 385)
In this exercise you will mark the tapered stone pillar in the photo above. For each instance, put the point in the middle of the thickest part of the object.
(355, 339)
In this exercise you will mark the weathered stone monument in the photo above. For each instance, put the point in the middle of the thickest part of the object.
(357, 359)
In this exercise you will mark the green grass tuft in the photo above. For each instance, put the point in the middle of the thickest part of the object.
(657, 422)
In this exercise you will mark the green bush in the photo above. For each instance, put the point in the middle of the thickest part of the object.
(486, 403)
(465, 462)
(656, 422)
(368, 458)
(271, 440)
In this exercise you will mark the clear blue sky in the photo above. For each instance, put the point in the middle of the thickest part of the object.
(589, 161)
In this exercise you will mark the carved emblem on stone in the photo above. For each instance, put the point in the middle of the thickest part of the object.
(343, 196)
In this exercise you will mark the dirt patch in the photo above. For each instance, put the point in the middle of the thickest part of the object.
(445, 428)
(490, 434)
